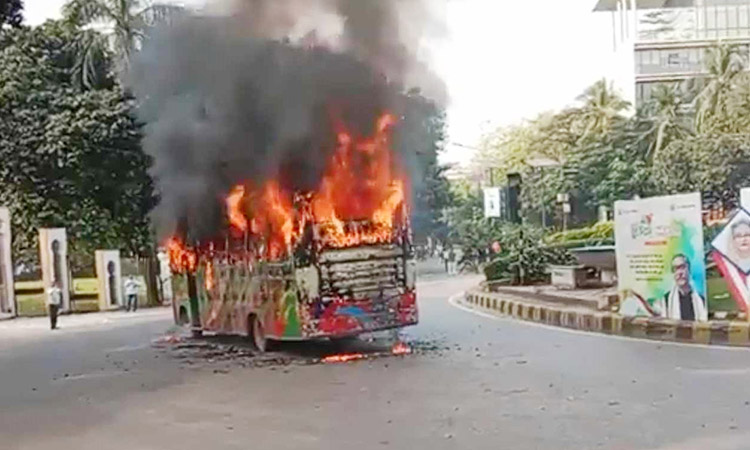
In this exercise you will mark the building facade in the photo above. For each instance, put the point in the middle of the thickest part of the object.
(665, 41)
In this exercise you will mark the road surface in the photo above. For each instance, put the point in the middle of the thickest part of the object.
(99, 383)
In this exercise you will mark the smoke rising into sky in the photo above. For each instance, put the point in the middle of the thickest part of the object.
(258, 91)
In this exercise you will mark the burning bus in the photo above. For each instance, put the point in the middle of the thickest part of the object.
(334, 262)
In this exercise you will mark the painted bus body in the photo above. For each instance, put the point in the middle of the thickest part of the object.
(338, 293)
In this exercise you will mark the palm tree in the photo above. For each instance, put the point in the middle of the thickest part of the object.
(723, 64)
(127, 22)
(738, 106)
(602, 105)
(91, 68)
(665, 115)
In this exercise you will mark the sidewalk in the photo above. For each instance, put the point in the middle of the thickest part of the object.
(77, 322)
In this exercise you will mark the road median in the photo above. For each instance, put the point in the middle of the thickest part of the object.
(528, 308)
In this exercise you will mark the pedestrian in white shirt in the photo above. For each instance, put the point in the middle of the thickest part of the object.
(131, 293)
(54, 300)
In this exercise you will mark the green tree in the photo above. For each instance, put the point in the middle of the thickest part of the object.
(420, 138)
(505, 150)
(616, 166)
(469, 229)
(724, 64)
(736, 116)
(130, 21)
(665, 118)
(589, 145)
(11, 13)
(71, 157)
(715, 165)
(602, 106)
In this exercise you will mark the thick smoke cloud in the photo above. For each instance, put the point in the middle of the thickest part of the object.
(255, 94)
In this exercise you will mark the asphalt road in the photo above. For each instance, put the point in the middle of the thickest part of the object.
(478, 382)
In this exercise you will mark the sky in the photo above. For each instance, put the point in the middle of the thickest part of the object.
(503, 60)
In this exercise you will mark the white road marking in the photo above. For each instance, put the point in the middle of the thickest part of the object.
(453, 301)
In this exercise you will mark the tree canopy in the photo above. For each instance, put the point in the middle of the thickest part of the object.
(129, 21)
(686, 137)
(421, 134)
(71, 156)
(11, 13)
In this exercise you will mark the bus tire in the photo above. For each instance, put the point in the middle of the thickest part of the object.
(183, 318)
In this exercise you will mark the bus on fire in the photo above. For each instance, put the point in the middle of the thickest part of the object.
(333, 263)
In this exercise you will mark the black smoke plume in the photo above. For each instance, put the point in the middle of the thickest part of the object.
(253, 94)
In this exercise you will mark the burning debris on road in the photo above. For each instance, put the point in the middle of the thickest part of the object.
(232, 353)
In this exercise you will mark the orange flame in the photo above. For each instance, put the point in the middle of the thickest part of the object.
(355, 203)
(181, 259)
(273, 218)
(360, 185)
(401, 348)
(210, 281)
(343, 358)
(234, 201)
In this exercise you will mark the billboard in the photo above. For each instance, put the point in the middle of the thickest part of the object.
(745, 198)
(660, 260)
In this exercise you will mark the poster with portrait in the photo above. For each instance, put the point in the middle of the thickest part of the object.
(731, 253)
(660, 261)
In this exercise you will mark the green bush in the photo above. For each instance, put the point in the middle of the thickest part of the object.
(602, 233)
(524, 256)
(499, 268)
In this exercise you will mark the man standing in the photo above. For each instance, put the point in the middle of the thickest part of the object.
(131, 293)
(682, 302)
(444, 256)
(54, 300)
(452, 261)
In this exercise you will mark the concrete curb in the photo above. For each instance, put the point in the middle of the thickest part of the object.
(717, 332)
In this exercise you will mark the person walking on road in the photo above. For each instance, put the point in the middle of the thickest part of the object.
(131, 293)
(54, 300)
(452, 261)
(444, 257)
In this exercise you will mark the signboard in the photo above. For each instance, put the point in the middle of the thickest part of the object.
(745, 198)
(492, 202)
(7, 302)
(660, 260)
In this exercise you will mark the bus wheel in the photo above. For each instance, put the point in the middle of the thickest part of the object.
(257, 334)
(183, 318)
